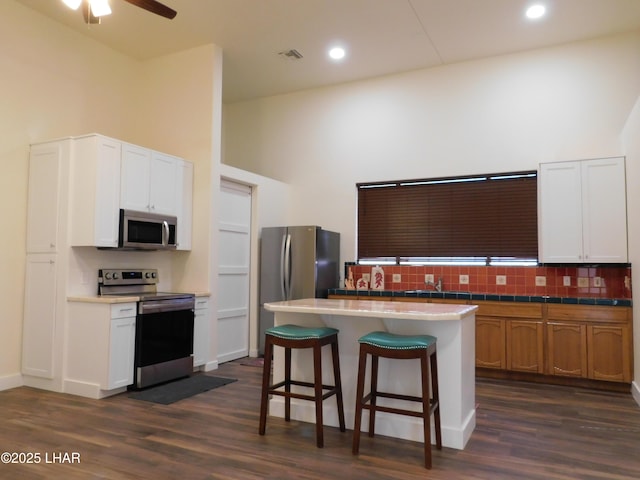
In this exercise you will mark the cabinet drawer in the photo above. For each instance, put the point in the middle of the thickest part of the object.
(583, 313)
(202, 303)
(123, 310)
(508, 309)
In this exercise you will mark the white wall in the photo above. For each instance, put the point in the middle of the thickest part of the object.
(498, 114)
(631, 146)
(58, 83)
(54, 83)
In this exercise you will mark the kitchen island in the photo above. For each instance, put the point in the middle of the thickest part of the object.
(452, 325)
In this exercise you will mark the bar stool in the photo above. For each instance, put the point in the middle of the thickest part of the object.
(294, 336)
(398, 347)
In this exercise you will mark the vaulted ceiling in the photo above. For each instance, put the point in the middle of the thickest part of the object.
(380, 36)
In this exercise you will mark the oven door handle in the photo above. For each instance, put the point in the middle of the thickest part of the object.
(152, 306)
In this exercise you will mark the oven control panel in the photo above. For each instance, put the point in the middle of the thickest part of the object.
(127, 277)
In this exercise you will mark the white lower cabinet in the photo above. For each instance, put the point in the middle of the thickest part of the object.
(100, 348)
(38, 336)
(121, 345)
(201, 332)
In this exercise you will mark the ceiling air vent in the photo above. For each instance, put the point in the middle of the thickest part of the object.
(292, 54)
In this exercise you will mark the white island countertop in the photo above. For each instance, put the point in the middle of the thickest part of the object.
(374, 309)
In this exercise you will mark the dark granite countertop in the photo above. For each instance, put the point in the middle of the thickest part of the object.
(613, 302)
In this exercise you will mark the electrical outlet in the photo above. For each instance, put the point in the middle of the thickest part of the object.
(541, 281)
(566, 281)
(501, 279)
(366, 276)
(464, 279)
(396, 278)
(583, 282)
(428, 278)
(597, 281)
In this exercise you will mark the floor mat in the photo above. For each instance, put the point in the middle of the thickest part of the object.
(180, 389)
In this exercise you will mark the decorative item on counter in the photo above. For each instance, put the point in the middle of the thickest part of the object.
(362, 284)
(377, 278)
(349, 282)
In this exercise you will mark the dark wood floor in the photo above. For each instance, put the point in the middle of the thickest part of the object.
(524, 431)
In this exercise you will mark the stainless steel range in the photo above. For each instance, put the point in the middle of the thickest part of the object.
(164, 325)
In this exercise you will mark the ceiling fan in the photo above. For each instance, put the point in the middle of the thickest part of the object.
(93, 10)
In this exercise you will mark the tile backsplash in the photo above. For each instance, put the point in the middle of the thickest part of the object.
(573, 281)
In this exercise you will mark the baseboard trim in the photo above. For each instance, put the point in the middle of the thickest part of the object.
(635, 392)
(11, 381)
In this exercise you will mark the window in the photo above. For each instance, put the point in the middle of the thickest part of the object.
(472, 219)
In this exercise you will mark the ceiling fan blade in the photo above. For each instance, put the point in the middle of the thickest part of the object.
(154, 7)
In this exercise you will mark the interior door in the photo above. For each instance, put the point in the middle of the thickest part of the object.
(233, 273)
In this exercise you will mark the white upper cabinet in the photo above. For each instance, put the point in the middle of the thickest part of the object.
(135, 178)
(582, 211)
(95, 191)
(148, 181)
(45, 163)
(163, 184)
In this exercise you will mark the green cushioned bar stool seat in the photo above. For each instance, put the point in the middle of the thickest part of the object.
(399, 347)
(297, 337)
(296, 332)
(397, 342)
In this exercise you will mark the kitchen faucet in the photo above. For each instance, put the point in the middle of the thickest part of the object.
(437, 285)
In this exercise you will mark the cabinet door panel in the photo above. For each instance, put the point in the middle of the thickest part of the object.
(121, 352)
(43, 198)
(567, 352)
(39, 316)
(609, 352)
(107, 193)
(525, 344)
(490, 343)
(134, 186)
(560, 205)
(163, 184)
(604, 210)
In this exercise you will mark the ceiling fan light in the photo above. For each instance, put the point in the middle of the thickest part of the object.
(74, 4)
(100, 8)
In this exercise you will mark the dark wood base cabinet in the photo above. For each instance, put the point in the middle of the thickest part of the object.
(590, 342)
(581, 345)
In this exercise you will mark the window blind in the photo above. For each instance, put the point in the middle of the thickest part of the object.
(473, 216)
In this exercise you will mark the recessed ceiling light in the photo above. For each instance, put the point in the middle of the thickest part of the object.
(535, 11)
(337, 53)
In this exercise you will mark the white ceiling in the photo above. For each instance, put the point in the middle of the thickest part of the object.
(381, 36)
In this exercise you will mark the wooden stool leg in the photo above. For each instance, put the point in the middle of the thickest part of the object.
(362, 368)
(287, 384)
(374, 393)
(266, 376)
(317, 380)
(338, 384)
(426, 408)
(436, 399)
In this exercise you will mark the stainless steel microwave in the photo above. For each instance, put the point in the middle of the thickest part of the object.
(146, 231)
